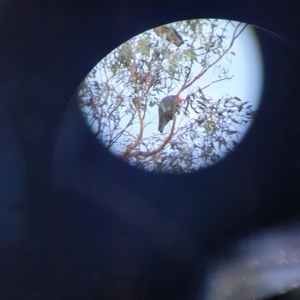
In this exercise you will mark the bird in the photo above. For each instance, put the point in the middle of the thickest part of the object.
(169, 34)
(166, 110)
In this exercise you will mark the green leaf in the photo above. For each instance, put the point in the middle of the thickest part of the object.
(171, 71)
(191, 54)
(166, 54)
(235, 121)
(220, 144)
(156, 54)
(231, 132)
(200, 103)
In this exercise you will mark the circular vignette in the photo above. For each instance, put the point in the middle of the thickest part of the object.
(175, 98)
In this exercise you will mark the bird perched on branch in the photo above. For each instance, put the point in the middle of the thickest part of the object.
(166, 110)
(169, 34)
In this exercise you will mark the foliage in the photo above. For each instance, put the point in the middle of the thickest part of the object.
(120, 95)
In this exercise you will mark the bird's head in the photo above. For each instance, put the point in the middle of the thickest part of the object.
(180, 100)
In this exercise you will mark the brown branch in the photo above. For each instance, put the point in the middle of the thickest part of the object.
(104, 102)
(147, 154)
(215, 82)
(130, 147)
(234, 37)
(113, 140)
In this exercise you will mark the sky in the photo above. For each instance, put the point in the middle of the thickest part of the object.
(247, 68)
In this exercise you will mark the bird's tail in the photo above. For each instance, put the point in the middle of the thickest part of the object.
(161, 128)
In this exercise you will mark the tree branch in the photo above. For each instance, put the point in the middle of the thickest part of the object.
(147, 154)
(234, 37)
(215, 82)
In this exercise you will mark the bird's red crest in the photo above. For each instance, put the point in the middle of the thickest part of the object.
(180, 100)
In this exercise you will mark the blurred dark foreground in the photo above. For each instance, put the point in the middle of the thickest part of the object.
(76, 223)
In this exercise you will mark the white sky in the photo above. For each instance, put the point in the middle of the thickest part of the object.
(247, 68)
